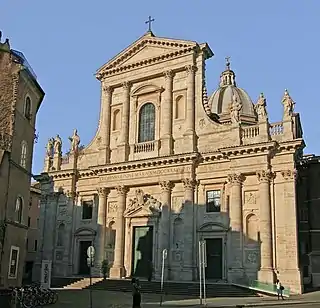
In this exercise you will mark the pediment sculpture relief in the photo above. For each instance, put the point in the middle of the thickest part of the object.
(143, 205)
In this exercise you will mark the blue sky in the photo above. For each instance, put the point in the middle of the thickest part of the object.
(273, 45)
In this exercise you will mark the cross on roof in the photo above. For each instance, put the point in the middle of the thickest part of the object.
(149, 21)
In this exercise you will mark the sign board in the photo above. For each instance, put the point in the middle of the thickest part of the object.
(90, 262)
(90, 252)
(164, 254)
(204, 253)
(46, 268)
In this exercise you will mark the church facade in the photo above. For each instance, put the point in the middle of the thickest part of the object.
(170, 166)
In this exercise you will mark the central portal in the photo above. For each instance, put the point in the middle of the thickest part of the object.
(214, 258)
(142, 251)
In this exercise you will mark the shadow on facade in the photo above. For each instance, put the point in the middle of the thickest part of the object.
(231, 256)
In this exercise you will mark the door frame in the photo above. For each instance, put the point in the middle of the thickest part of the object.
(140, 222)
(223, 254)
(133, 244)
(211, 231)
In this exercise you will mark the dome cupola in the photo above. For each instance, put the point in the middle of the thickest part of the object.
(227, 96)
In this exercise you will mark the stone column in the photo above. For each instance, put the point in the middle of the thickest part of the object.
(266, 273)
(165, 242)
(118, 270)
(235, 265)
(188, 220)
(190, 114)
(166, 116)
(106, 123)
(124, 135)
(101, 234)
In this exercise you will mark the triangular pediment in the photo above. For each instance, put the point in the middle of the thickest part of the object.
(141, 211)
(150, 47)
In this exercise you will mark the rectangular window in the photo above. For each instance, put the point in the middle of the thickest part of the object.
(29, 221)
(213, 201)
(35, 245)
(14, 262)
(87, 209)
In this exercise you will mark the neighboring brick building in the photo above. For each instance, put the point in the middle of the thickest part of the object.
(33, 231)
(308, 196)
(20, 99)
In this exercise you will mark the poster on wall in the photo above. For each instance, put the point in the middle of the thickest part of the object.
(46, 274)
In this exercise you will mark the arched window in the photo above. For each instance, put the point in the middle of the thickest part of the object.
(18, 209)
(61, 229)
(23, 156)
(116, 120)
(147, 116)
(27, 108)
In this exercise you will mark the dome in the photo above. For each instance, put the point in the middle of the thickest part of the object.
(220, 101)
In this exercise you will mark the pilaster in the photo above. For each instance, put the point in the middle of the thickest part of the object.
(189, 135)
(190, 264)
(105, 128)
(166, 116)
(118, 269)
(235, 262)
(123, 147)
(165, 223)
(287, 233)
(101, 230)
(266, 273)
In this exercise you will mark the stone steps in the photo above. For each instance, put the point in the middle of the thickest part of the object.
(82, 284)
(175, 288)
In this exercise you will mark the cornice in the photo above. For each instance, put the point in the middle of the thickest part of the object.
(112, 70)
(250, 149)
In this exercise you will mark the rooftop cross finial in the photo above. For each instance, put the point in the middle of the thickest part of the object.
(149, 21)
(228, 63)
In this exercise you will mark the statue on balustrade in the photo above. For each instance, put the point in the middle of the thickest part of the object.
(288, 104)
(261, 109)
(57, 145)
(235, 108)
(75, 141)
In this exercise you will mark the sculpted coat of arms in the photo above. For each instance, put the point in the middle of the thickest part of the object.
(142, 200)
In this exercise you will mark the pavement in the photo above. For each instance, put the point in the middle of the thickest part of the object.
(107, 299)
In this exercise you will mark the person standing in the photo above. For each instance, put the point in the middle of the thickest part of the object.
(136, 294)
(280, 289)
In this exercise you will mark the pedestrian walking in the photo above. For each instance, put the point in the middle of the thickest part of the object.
(136, 294)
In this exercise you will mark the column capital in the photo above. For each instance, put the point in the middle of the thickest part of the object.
(235, 178)
(166, 185)
(189, 183)
(103, 191)
(122, 190)
(168, 74)
(191, 69)
(126, 85)
(264, 175)
(289, 174)
(107, 89)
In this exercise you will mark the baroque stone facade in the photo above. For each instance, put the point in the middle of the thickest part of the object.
(20, 99)
(170, 166)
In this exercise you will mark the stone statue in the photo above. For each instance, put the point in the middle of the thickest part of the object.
(57, 145)
(235, 108)
(153, 204)
(260, 108)
(139, 197)
(288, 104)
(49, 147)
(75, 141)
